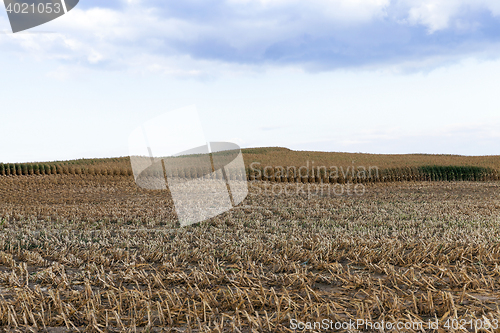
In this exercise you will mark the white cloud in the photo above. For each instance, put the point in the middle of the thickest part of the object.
(341, 10)
(247, 35)
(437, 14)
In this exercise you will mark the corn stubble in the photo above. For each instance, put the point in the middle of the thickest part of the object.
(96, 254)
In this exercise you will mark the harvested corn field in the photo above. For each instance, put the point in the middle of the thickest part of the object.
(96, 253)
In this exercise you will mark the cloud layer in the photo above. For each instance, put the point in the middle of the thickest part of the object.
(196, 38)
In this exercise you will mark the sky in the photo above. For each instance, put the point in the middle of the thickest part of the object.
(372, 76)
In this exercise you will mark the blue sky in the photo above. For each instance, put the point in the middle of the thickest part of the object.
(376, 76)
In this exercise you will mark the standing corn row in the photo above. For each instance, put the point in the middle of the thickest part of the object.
(28, 169)
(273, 173)
(425, 173)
